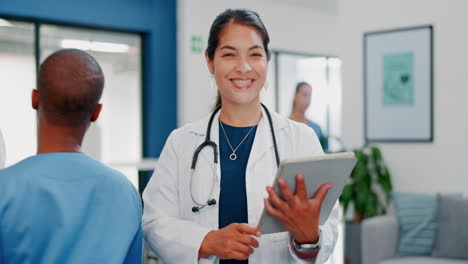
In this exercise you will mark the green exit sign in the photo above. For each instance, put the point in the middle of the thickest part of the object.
(196, 44)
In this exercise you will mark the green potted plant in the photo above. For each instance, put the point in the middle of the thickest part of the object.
(369, 177)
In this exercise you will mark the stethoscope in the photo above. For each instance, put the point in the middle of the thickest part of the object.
(208, 143)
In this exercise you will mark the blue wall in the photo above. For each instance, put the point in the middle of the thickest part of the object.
(156, 19)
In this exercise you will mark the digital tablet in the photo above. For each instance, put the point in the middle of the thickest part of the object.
(317, 170)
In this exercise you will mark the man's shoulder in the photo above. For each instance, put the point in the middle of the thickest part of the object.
(19, 169)
(103, 170)
(61, 166)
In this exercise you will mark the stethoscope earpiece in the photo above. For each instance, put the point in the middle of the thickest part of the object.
(195, 209)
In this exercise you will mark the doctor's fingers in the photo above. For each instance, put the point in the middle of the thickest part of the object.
(246, 229)
(276, 201)
(286, 192)
(283, 218)
(274, 212)
(301, 190)
(322, 193)
(248, 240)
(236, 250)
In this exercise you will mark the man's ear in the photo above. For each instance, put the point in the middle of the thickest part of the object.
(209, 62)
(35, 99)
(96, 113)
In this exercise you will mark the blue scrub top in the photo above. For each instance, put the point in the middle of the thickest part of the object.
(68, 208)
(319, 133)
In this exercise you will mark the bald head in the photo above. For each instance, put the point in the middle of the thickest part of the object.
(70, 84)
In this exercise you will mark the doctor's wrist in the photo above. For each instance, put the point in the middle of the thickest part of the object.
(308, 249)
(309, 238)
(204, 250)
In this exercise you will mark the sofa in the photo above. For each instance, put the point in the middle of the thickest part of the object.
(379, 238)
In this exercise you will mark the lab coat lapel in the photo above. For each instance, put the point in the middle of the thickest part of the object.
(214, 136)
(262, 167)
(263, 141)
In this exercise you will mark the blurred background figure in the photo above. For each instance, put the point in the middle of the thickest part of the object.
(301, 102)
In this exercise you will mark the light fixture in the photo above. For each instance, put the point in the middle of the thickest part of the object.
(94, 46)
(5, 23)
(75, 44)
(109, 47)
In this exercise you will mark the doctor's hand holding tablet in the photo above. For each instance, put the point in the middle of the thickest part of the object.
(205, 201)
(296, 212)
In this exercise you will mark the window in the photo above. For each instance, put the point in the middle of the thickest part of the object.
(116, 138)
(18, 78)
(323, 74)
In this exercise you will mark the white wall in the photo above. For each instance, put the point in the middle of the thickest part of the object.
(416, 167)
(291, 28)
(439, 166)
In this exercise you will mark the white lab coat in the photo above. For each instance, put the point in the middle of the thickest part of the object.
(2, 151)
(175, 233)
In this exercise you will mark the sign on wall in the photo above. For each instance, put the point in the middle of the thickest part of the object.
(196, 44)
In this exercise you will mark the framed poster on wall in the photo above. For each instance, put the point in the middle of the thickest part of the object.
(398, 84)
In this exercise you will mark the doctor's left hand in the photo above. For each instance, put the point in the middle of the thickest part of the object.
(297, 213)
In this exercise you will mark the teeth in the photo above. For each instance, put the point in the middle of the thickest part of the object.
(242, 81)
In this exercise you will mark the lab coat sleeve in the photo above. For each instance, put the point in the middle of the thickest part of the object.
(174, 240)
(2, 151)
(310, 146)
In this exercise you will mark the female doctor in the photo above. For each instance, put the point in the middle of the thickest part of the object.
(203, 203)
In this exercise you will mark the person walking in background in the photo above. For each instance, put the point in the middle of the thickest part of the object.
(301, 102)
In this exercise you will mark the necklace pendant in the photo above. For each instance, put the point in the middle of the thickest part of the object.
(233, 156)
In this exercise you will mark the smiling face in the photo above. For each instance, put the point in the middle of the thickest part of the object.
(239, 65)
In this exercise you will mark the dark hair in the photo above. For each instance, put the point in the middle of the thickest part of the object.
(298, 86)
(70, 84)
(241, 16)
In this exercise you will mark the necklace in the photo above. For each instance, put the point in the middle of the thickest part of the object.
(233, 155)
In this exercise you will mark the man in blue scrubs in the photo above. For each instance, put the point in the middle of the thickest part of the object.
(61, 206)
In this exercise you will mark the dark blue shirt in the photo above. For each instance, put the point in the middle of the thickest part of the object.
(233, 196)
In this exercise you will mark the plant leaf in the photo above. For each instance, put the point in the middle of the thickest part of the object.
(346, 196)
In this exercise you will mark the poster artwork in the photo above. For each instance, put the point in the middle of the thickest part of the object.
(398, 79)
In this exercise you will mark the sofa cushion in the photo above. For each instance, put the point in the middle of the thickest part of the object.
(452, 234)
(417, 223)
(422, 260)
